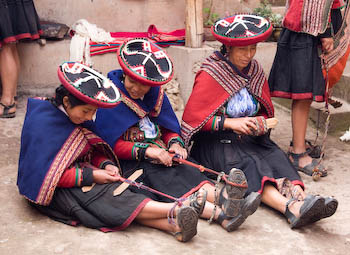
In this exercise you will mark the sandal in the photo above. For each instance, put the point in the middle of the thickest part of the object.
(198, 207)
(330, 207)
(309, 211)
(6, 113)
(187, 219)
(231, 206)
(309, 169)
(314, 151)
(251, 204)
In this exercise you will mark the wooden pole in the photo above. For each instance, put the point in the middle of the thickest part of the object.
(194, 23)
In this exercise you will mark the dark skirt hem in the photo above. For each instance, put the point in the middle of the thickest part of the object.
(273, 180)
(297, 96)
(129, 220)
(16, 38)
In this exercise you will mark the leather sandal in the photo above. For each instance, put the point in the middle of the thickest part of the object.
(309, 169)
(314, 151)
(186, 219)
(309, 211)
(232, 205)
(6, 113)
(198, 207)
(330, 207)
(251, 204)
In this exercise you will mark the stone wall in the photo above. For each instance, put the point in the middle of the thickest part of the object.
(116, 15)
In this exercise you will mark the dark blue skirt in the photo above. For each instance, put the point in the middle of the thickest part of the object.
(296, 72)
(18, 21)
(261, 160)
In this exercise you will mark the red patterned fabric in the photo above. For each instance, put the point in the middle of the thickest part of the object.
(162, 39)
(145, 62)
(73, 176)
(307, 16)
(241, 30)
(202, 106)
(334, 62)
(88, 85)
(125, 149)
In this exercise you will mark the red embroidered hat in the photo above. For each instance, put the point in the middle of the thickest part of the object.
(88, 85)
(145, 62)
(241, 30)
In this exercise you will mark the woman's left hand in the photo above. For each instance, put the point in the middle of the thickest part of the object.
(112, 170)
(177, 149)
(327, 44)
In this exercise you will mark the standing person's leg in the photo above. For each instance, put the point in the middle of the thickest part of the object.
(300, 116)
(9, 70)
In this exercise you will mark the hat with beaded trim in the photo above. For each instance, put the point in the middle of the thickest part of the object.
(88, 85)
(145, 62)
(241, 30)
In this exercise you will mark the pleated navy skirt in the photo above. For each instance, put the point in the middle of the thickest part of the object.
(18, 21)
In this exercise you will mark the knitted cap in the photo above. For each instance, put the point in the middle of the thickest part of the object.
(241, 30)
(145, 62)
(88, 85)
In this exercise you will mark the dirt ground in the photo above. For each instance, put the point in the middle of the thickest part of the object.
(25, 231)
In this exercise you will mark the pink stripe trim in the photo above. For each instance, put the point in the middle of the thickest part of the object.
(196, 188)
(15, 38)
(265, 179)
(297, 96)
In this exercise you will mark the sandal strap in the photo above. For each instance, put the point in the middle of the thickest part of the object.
(199, 207)
(221, 218)
(7, 107)
(296, 157)
(290, 216)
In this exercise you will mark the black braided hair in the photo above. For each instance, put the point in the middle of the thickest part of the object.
(61, 92)
(223, 49)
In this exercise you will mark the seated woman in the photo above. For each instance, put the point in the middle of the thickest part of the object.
(59, 155)
(144, 133)
(229, 129)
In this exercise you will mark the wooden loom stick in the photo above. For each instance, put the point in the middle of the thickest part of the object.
(271, 122)
(87, 188)
(121, 187)
(125, 185)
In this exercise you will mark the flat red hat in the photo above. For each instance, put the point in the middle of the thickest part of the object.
(88, 85)
(241, 30)
(145, 62)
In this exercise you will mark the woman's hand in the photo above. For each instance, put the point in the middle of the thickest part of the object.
(113, 170)
(242, 126)
(102, 176)
(159, 154)
(177, 149)
(327, 44)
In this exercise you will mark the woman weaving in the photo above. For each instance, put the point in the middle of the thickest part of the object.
(144, 133)
(229, 130)
(60, 155)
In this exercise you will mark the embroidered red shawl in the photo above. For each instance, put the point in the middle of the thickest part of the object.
(309, 16)
(214, 85)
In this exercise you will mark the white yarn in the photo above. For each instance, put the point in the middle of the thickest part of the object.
(346, 136)
(80, 43)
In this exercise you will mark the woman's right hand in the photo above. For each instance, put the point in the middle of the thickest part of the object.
(242, 126)
(104, 176)
(159, 154)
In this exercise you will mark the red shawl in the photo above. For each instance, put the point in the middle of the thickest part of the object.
(309, 16)
(214, 85)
